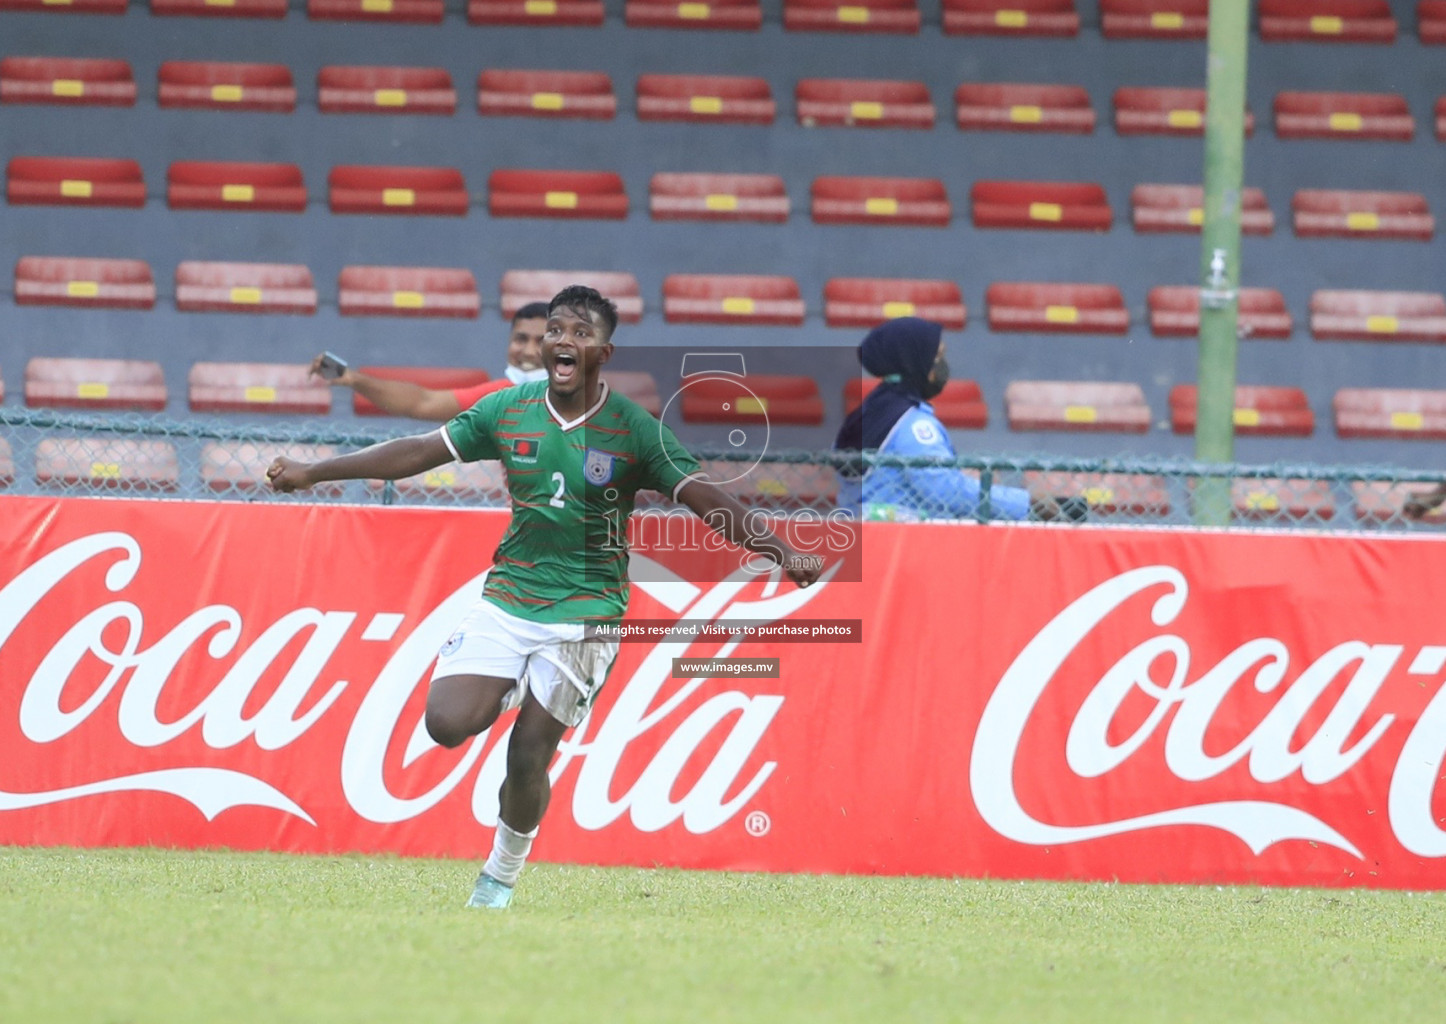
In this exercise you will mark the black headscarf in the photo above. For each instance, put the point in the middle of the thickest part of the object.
(902, 353)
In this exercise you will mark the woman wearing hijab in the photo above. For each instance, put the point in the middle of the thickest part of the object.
(907, 354)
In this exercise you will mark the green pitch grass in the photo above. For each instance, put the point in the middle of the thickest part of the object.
(155, 936)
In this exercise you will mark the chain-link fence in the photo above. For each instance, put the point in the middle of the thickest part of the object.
(47, 452)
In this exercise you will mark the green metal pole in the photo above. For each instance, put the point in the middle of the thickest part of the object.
(1220, 251)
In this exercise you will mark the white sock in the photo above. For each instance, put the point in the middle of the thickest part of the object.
(509, 853)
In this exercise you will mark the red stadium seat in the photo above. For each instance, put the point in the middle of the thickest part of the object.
(894, 16)
(1270, 498)
(1385, 501)
(1278, 411)
(1441, 119)
(704, 99)
(732, 299)
(1069, 206)
(1107, 494)
(886, 201)
(400, 190)
(109, 463)
(520, 287)
(1390, 413)
(757, 197)
(384, 90)
(1378, 316)
(1151, 111)
(244, 288)
(569, 194)
(1327, 21)
(436, 378)
(1154, 19)
(68, 7)
(1175, 312)
(424, 12)
(407, 291)
(1001, 107)
(1084, 405)
(639, 385)
(77, 281)
(869, 301)
(585, 13)
(739, 15)
(960, 405)
(94, 384)
(1180, 208)
(220, 86)
(221, 8)
(1346, 214)
(1057, 308)
(863, 103)
(1343, 115)
(235, 186)
(67, 81)
(74, 181)
(758, 398)
(1431, 22)
(581, 94)
(242, 465)
(1010, 18)
(257, 387)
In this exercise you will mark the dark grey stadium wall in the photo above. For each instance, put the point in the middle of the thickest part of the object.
(811, 253)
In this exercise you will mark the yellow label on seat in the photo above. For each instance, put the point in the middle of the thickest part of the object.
(1362, 221)
(1045, 211)
(1407, 421)
(226, 93)
(246, 296)
(850, 15)
(440, 478)
(560, 200)
(390, 97)
(1167, 20)
(866, 110)
(82, 289)
(771, 486)
(694, 12)
(1246, 417)
(260, 393)
(1344, 121)
(220, 3)
(1184, 119)
(92, 390)
(399, 197)
(1080, 414)
(540, 8)
(1097, 495)
(1026, 114)
(1382, 324)
(67, 87)
(738, 305)
(1326, 25)
(547, 101)
(76, 189)
(720, 202)
(237, 193)
(377, 6)
(1195, 216)
(753, 406)
(1262, 501)
(408, 300)
(894, 310)
(1011, 19)
(706, 104)
(57, 3)
(105, 471)
(881, 206)
(1061, 314)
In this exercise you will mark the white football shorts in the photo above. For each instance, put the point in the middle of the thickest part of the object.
(549, 659)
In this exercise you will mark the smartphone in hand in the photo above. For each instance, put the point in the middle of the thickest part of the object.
(331, 366)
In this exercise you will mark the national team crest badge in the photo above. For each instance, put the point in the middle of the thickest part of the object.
(597, 467)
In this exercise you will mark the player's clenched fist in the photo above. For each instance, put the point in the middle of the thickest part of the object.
(287, 475)
(803, 569)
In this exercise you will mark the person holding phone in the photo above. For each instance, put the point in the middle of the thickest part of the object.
(403, 398)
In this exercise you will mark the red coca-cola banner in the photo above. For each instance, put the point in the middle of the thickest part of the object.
(1026, 702)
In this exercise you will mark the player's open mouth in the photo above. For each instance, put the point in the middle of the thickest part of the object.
(564, 366)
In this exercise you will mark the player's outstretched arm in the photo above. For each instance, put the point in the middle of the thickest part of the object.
(397, 397)
(390, 460)
(727, 515)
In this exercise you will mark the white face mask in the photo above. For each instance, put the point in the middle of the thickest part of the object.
(518, 375)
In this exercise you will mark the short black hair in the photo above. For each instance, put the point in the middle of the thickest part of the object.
(579, 297)
(531, 311)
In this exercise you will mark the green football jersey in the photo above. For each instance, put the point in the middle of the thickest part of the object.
(564, 557)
